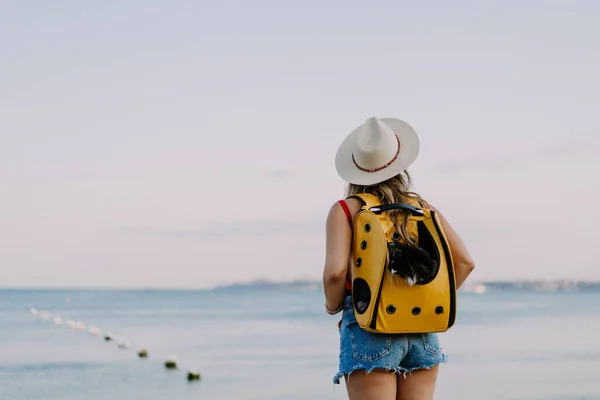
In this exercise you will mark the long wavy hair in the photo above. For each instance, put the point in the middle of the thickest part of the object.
(394, 190)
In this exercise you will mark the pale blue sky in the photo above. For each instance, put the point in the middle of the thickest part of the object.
(192, 143)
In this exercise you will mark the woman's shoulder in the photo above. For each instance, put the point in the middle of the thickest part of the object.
(344, 207)
(352, 203)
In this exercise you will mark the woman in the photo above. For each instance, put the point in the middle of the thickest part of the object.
(374, 159)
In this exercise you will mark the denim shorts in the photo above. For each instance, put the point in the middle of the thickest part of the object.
(364, 350)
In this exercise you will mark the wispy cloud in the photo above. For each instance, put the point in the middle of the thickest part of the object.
(563, 150)
(279, 173)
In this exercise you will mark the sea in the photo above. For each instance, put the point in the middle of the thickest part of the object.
(274, 341)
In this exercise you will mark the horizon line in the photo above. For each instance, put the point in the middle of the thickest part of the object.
(259, 282)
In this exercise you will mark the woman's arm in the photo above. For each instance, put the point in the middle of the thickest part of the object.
(463, 263)
(338, 239)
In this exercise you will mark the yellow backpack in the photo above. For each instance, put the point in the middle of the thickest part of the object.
(398, 288)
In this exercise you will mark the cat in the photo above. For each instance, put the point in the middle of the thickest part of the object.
(413, 264)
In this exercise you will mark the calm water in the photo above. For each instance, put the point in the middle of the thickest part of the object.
(277, 343)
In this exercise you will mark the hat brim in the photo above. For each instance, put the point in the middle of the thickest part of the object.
(409, 150)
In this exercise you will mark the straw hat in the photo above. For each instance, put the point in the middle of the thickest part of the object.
(378, 150)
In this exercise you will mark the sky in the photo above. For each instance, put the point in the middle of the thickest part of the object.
(192, 143)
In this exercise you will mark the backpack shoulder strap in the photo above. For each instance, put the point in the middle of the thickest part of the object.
(368, 200)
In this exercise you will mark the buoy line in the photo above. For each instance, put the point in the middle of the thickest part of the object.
(169, 363)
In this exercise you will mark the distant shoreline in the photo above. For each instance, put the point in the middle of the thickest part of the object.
(474, 287)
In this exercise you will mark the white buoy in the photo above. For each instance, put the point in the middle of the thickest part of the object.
(480, 289)
(94, 331)
(58, 321)
(79, 326)
(70, 324)
(44, 315)
(33, 311)
(123, 345)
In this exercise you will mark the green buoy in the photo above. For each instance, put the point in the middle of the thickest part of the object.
(193, 376)
(171, 363)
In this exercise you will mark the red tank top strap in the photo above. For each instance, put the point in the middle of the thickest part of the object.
(346, 210)
(349, 216)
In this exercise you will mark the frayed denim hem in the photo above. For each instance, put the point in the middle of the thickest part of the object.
(337, 378)
(396, 370)
(406, 371)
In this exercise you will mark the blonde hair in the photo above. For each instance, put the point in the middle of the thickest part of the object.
(393, 190)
